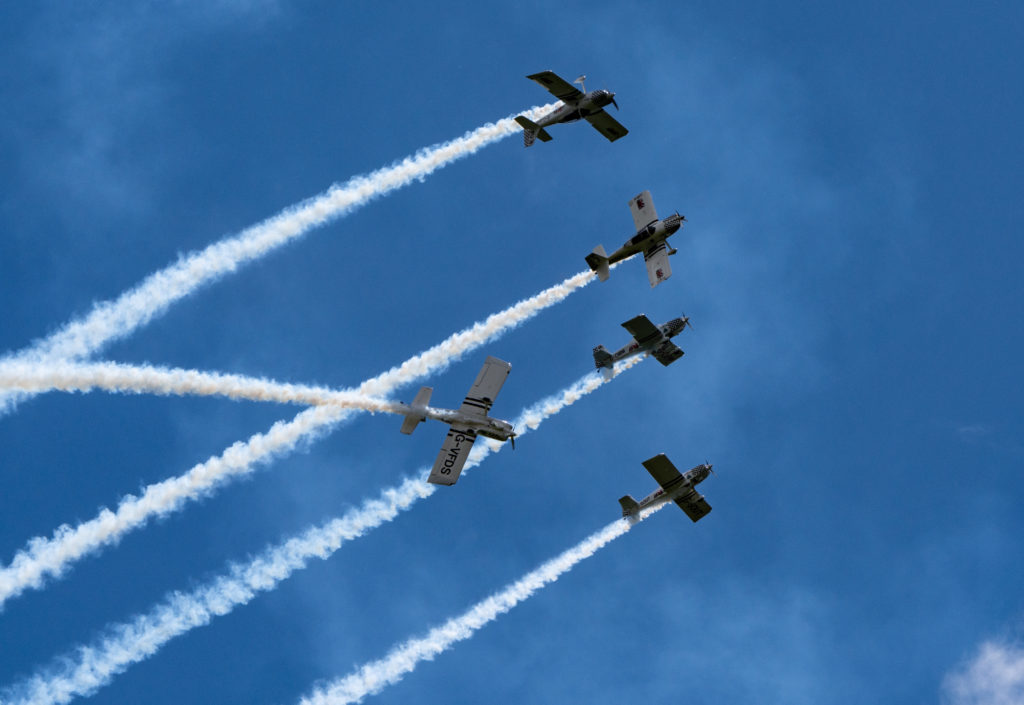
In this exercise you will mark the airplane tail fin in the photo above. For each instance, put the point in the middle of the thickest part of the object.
(603, 359)
(532, 131)
(598, 261)
(413, 418)
(629, 506)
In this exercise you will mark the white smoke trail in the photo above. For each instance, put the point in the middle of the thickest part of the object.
(115, 319)
(50, 556)
(95, 666)
(374, 676)
(117, 377)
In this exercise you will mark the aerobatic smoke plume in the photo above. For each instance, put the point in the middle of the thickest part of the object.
(375, 676)
(50, 556)
(92, 667)
(147, 379)
(143, 379)
(111, 320)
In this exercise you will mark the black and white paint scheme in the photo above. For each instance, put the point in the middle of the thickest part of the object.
(678, 487)
(576, 105)
(467, 422)
(647, 338)
(651, 238)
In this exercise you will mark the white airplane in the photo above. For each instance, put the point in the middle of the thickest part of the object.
(647, 338)
(467, 422)
(651, 238)
(675, 486)
(576, 104)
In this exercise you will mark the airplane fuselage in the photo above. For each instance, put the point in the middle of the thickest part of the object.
(489, 427)
(647, 237)
(591, 103)
(486, 426)
(688, 480)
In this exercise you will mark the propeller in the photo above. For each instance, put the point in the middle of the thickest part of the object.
(710, 469)
(686, 322)
(512, 438)
(614, 103)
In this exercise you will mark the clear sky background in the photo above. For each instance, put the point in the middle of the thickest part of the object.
(851, 176)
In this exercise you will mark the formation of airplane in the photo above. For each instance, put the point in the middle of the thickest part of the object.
(674, 486)
(651, 238)
(467, 422)
(647, 338)
(576, 105)
(472, 418)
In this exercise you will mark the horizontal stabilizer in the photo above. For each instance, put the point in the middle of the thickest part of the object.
(598, 261)
(532, 131)
(629, 505)
(413, 418)
(526, 123)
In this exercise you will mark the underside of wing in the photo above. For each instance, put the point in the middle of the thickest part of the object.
(667, 353)
(485, 389)
(607, 126)
(557, 86)
(694, 504)
(642, 330)
(642, 208)
(658, 268)
(452, 457)
(663, 472)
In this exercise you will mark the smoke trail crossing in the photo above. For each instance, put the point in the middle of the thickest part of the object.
(95, 666)
(115, 319)
(50, 556)
(375, 676)
(139, 379)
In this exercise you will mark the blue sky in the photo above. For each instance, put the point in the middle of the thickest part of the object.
(851, 265)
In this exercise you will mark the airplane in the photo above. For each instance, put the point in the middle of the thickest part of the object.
(576, 104)
(467, 422)
(675, 486)
(651, 238)
(647, 338)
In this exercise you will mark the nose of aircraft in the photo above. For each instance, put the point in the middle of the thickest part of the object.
(611, 96)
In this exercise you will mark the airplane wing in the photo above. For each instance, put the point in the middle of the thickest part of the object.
(557, 86)
(642, 208)
(607, 126)
(663, 472)
(658, 268)
(486, 387)
(694, 504)
(452, 457)
(642, 330)
(667, 353)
